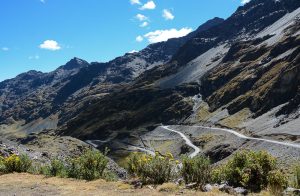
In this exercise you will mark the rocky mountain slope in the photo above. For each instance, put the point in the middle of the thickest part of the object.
(242, 73)
(231, 60)
(46, 99)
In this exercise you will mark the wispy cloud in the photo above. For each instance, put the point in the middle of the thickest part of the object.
(35, 57)
(43, 1)
(139, 38)
(167, 14)
(135, 2)
(5, 49)
(141, 17)
(133, 51)
(245, 1)
(164, 35)
(150, 5)
(144, 24)
(50, 45)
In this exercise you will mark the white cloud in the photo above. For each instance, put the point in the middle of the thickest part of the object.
(36, 57)
(150, 5)
(141, 17)
(245, 1)
(144, 24)
(139, 38)
(135, 2)
(133, 51)
(50, 45)
(5, 49)
(164, 35)
(167, 14)
(43, 1)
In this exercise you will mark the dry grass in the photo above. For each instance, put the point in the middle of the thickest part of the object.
(27, 184)
(206, 138)
(168, 187)
(236, 119)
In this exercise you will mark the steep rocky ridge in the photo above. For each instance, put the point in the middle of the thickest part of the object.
(245, 23)
(65, 91)
(30, 95)
(227, 49)
(243, 72)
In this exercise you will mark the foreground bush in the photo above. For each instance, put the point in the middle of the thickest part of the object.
(2, 166)
(56, 168)
(89, 166)
(296, 177)
(15, 163)
(277, 182)
(196, 170)
(247, 169)
(152, 169)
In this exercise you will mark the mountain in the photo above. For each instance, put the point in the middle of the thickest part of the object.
(43, 100)
(241, 73)
(22, 97)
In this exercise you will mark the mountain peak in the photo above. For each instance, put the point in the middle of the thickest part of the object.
(75, 63)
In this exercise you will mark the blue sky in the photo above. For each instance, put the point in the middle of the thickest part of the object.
(44, 34)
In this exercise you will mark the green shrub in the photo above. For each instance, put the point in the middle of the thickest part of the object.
(296, 177)
(35, 168)
(277, 182)
(15, 163)
(134, 164)
(56, 168)
(2, 165)
(152, 169)
(218, 175)
(89, 166)
(109, 176)
(247, 169)
(196, 170)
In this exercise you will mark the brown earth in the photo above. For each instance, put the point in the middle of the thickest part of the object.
(33, 185)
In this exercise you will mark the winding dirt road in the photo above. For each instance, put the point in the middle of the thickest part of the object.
(186, 139)
(237, 134)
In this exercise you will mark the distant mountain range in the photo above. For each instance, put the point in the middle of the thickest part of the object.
(242, 73)
(34, 94)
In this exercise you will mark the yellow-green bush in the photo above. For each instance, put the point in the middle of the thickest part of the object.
(90, 166)
(248, 169)
(277, 182)
(15, 163)
(56, 168)
(2, 166)
(196, 170)
(152, 169)
(296, 177)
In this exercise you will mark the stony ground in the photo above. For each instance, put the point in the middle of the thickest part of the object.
(33, 185)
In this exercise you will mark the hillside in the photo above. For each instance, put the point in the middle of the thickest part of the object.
(241, 73)
(38, 101)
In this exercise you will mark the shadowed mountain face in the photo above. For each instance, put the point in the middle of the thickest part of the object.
(242, 72)
(30, 95)
(71, 87)
(248, 62)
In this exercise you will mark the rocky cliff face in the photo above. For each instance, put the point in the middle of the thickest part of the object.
(30, 95)
(244, 67)
(67, 90)
(242, 72)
